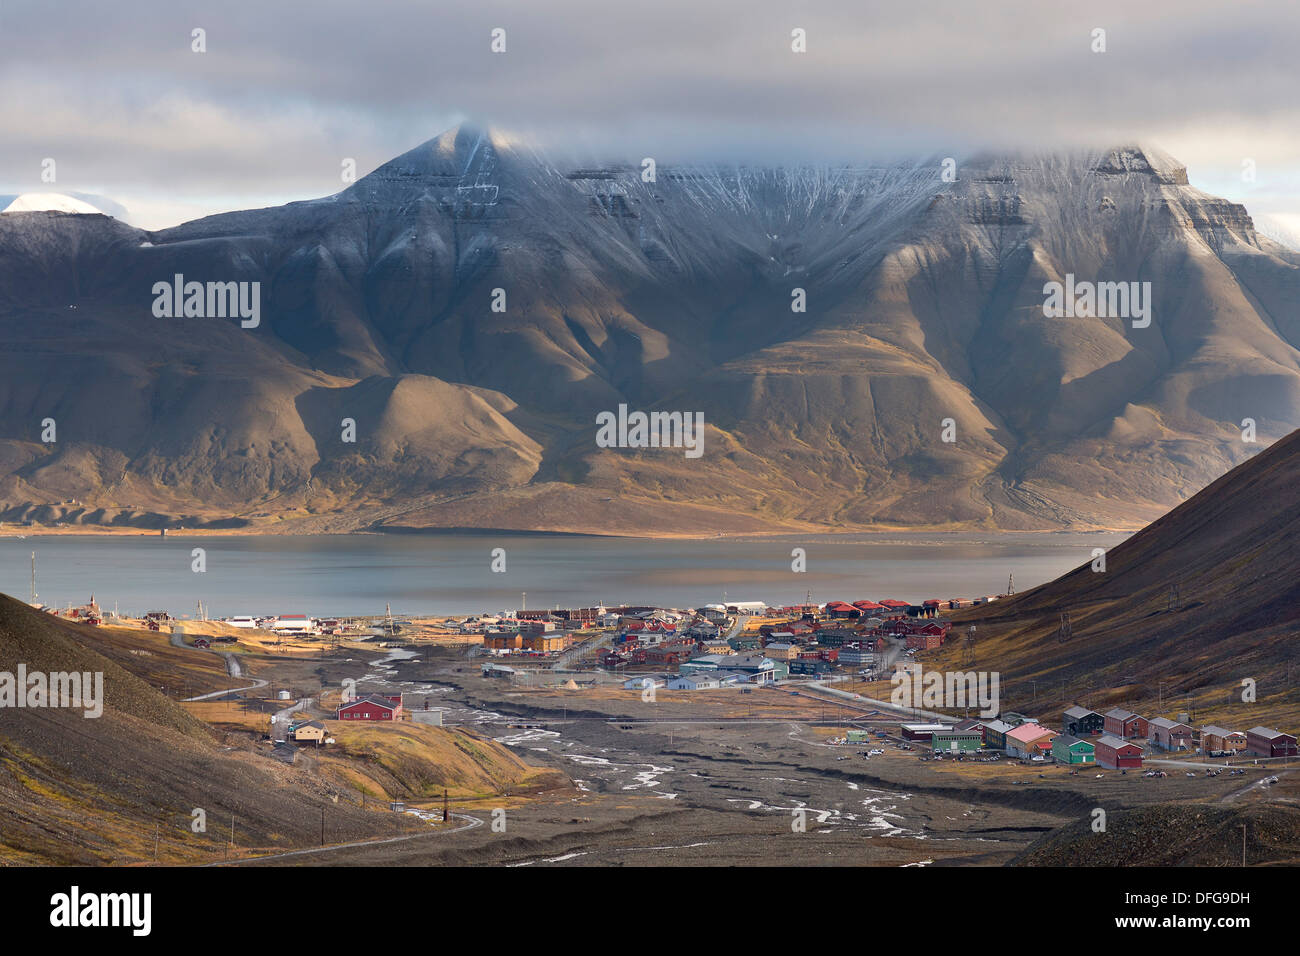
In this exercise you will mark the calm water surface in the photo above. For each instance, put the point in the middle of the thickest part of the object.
(329, 575)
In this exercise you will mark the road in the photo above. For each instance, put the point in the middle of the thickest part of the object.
(470, 824)
(232, 666)
(280, 720)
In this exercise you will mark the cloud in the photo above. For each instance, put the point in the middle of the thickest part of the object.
(287, 90)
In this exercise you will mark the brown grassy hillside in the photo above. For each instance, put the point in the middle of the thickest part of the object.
(1232, 553)
(77, 790)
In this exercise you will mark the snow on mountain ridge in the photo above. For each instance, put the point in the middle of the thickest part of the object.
(51, 202)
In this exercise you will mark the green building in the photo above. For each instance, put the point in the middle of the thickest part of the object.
(1072, 750)
(956, 741)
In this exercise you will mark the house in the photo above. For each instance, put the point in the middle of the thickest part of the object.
(729, 678)
(781, 652)
(836, 636)
(371, 707)
(308, 731)
(995, 734)
(645, 682)
(1029, 740)
(704, 662)
(498, 671)
(759, 670)
(510, 641)
(1220, 740)
(924, 641)
(1015, 720)
(1069, 749)
(1082, 722)
(970, 723)
(693, 682)
(1170, 734)
(855, 654)
(841, 611)
(956, 741)
(1265, 742)
(714, 612)
(674, 652)
(547, 643)
(293, 624)
(1124, 724)
(1115, 753)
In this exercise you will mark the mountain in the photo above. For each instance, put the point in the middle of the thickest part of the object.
(1184, 611)
(924, 309)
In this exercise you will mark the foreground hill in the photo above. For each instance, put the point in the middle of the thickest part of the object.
(78, 790)
(924, 304)
(1185, 610)
(1174, 835)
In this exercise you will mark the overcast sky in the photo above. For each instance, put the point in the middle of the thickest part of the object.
(289, 88)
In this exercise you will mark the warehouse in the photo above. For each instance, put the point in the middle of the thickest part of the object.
(956, 741)
(921, 732)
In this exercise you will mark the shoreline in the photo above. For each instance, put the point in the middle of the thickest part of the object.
(16, 532)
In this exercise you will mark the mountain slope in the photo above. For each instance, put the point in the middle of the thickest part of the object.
(1185, 610)
(124, 786)
(924, 304)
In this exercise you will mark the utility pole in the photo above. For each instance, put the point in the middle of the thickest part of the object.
(33, 577)
(322, 826)
(445, 815)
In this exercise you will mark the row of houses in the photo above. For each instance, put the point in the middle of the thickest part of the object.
(1024, 738)
(1171, 735)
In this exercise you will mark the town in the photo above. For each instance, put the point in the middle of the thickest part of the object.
(747, 645)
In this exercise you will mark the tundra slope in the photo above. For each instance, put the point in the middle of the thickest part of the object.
(1183, 612)
(924, 303)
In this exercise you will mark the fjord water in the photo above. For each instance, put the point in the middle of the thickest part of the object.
(329, 575)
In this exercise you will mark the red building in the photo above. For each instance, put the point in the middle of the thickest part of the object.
(667, 653)
(1116, 754)
(840, 610)
(372, 707)
(1266, 742)
(1124, 724)
(924, 641)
